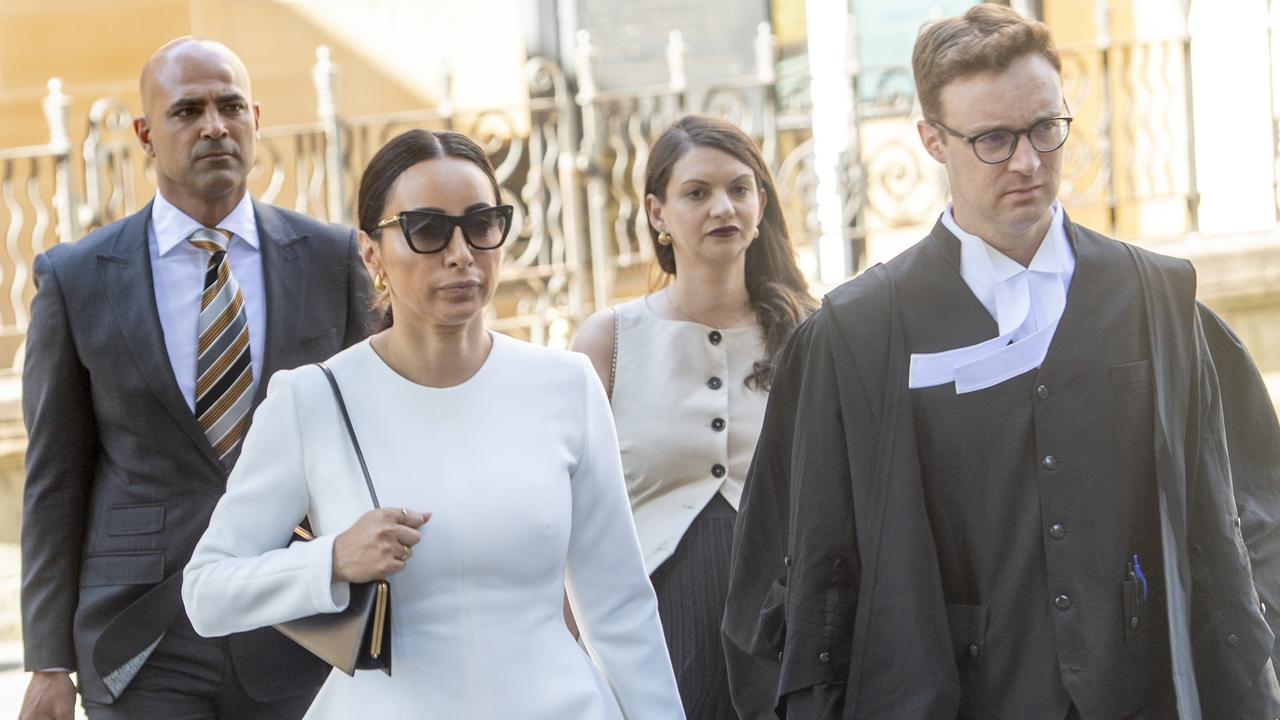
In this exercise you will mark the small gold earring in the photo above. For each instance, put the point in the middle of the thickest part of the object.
(755, 233)
(664, 238)
(380, 282)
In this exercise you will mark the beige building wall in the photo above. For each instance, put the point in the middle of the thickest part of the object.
(393, 54)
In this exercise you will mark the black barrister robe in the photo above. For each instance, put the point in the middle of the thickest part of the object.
(835, 606)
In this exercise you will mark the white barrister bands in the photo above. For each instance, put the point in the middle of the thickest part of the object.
(1026, 302)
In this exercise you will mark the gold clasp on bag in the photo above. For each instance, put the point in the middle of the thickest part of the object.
(379, 618)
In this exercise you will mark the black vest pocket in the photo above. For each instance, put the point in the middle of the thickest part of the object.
(1132, 604)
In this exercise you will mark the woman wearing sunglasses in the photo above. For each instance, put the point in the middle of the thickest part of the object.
(689, 369)
(496, 465)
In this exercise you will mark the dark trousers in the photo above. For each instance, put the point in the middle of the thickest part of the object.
(691, 587)
(189, 677)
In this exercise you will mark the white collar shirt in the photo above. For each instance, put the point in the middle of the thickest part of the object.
(1026, 303)
(177, 272)
(1021, 299)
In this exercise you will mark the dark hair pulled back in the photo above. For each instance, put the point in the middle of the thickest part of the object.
(398, 155)
(778, 291)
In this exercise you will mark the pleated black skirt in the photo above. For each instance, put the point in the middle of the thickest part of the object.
(692, 586)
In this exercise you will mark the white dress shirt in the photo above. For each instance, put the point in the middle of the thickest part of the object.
(1026, 303)
(177, 272)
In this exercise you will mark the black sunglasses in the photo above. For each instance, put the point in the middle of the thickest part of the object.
(428, 231)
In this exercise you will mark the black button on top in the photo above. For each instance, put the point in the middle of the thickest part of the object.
(717, 424)
(824, 657)
(1042, 392)
(1057, 532)
(1049, 462)
(1062, 602)
(715, 337)
(972, 651)
(714, 383)
(717, 470)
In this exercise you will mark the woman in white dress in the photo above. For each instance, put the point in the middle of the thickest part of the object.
(497, 467)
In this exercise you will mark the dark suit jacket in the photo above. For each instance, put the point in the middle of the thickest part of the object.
(120, 479)
(835, 605)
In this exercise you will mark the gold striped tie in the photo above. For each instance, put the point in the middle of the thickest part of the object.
(224, 370)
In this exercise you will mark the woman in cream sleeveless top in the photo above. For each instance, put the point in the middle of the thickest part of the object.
(689, 368)
(687, 421)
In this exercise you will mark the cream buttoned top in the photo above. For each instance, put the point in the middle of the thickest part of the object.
(687, 422)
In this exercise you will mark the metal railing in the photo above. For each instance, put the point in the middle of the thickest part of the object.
(38, 207)
(571, 160)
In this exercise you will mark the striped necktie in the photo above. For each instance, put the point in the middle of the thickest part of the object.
(224, 371)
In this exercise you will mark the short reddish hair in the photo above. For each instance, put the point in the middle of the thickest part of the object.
(986, 38)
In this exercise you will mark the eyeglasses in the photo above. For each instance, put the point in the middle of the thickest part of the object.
(995, 146)
(428, 231)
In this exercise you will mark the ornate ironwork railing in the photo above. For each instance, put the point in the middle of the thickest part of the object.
(37, 209)
(572, 162)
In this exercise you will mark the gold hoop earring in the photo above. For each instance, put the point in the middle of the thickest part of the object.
(380, 282)
(664, 238)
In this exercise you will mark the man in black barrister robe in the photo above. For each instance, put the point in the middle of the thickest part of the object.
(1017, 472)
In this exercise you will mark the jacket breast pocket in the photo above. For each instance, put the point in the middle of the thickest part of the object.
(122, 568)
(1135, 373)
(135, 519)
(321, 340)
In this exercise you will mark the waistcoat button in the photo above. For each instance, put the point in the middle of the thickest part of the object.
(1049, 462)
(1062, 602)
(1042, 392)
(1233, 639)
(972, 651)
(824, 657)
(1057, 532)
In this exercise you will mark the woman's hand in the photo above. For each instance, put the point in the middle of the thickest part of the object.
(378, 545)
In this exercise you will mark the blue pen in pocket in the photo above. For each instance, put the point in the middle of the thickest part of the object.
(1135, 572)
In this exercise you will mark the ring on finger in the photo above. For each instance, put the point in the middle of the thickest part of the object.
(408, 552)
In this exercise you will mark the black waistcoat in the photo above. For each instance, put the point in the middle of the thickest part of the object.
(1040, 493)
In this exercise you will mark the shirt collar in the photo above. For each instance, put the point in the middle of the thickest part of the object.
(173, 226)
(983, 266)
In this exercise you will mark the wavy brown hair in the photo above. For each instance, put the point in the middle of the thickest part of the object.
(778, 292)
(986, 38)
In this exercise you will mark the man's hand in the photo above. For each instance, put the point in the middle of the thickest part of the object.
(50, 696)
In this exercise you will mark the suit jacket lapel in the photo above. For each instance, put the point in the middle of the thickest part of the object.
(126, 275)
(285, 281)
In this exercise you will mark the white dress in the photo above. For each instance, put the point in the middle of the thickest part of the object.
(520, 466)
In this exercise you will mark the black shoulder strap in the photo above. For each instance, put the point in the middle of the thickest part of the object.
(337, 395)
